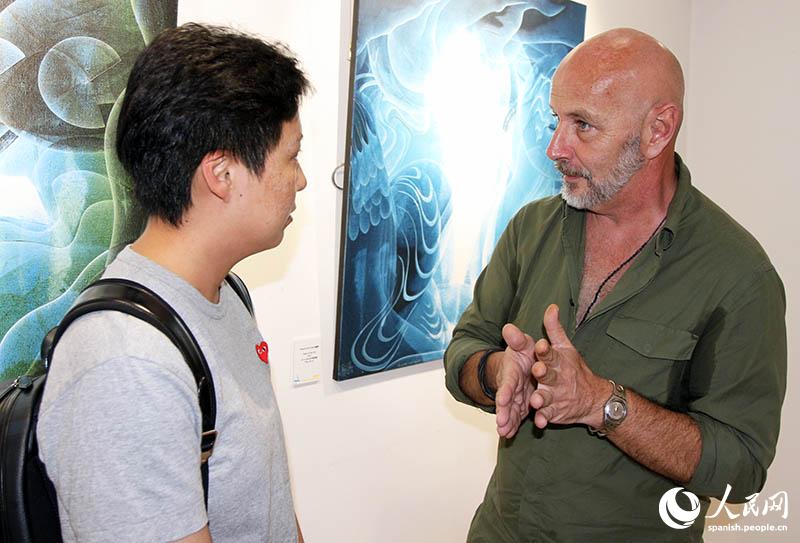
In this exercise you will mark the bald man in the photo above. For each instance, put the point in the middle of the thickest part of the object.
(629, 335)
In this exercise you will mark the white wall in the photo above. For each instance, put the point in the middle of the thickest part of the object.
(743, 151)
(391, 457)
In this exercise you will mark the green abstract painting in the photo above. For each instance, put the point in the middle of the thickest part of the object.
(66, 205)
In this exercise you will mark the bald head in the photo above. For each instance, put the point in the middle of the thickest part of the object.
(627, 68)
(618, 101)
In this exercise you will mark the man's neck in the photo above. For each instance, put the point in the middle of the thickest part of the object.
(185, 253)
(616, 232)
(641, 204)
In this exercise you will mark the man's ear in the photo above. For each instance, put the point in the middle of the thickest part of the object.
(661, 126)
(215, 172)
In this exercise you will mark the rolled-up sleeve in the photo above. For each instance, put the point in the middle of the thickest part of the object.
(737, 387)
(481, 325)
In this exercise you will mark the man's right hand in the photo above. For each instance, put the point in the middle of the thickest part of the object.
(515, 385)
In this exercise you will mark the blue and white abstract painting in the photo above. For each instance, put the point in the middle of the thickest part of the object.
(449, 122)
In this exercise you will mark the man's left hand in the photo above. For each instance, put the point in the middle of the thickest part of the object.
(568, 391)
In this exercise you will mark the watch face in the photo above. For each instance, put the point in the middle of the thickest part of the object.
(616, 411)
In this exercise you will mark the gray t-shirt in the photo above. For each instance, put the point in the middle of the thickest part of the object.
(119, 427)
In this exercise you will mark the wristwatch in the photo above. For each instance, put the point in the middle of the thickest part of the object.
(614, 411)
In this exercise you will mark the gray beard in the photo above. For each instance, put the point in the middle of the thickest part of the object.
(629, 162)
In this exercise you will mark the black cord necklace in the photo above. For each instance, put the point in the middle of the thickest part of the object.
(618, 268)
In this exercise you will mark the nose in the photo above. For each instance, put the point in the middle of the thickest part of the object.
(558, 148)
(300, 182)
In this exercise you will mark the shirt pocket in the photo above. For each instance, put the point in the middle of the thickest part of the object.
(653, 358)
(653, 340)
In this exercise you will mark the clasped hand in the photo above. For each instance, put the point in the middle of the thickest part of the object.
(549, 376)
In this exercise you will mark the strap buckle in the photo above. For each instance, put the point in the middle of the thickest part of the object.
(207, 440)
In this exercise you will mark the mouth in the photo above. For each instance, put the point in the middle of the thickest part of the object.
(571, 175)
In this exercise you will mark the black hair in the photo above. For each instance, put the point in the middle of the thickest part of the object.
(194, 90)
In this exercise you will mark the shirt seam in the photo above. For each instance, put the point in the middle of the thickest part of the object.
(744, 285)
(72, 383)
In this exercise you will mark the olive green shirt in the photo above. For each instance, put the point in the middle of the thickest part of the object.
(696, 325)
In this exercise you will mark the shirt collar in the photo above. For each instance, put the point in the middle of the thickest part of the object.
(669, 231)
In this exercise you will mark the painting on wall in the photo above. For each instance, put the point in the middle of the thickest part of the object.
(448, 123)
(65, 203)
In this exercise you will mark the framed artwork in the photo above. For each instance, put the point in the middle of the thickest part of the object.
(448, 123)
(65, 203)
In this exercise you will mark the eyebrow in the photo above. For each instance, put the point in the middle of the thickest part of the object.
(583, 114)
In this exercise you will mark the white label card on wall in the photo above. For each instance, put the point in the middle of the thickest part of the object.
(305, 361)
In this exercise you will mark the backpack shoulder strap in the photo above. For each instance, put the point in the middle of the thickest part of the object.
(129, 297)
(241, 291)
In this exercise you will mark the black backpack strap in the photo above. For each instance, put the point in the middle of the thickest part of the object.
(241, 291)
(113, 294)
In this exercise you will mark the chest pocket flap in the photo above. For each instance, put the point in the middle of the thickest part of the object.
(651, 339)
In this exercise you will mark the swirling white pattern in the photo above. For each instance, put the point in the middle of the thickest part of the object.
(449, 125)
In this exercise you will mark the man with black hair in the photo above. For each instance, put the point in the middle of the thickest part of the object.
(209, 131)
